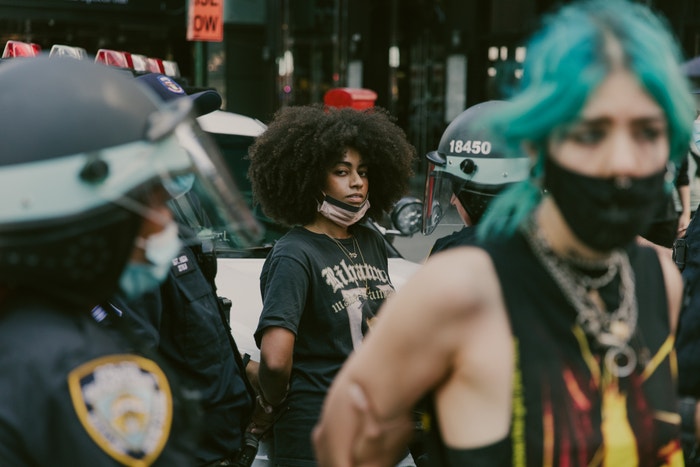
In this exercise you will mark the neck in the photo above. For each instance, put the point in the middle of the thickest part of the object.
(323, 225)
(559, 236)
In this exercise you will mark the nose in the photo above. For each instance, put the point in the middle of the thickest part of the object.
(623, 159)
(356, 179)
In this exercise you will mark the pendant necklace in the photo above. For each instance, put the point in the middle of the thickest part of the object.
(351, 255)
(611, 330)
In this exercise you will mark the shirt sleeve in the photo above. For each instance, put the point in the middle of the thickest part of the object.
(284, 292)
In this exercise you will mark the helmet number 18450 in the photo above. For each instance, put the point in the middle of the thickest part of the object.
(470, 147)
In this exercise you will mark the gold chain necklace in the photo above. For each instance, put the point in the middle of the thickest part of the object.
(351, 255)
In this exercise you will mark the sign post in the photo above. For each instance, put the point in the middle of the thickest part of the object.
(205, 20)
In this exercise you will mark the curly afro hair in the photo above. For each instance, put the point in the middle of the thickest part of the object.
(289, 162)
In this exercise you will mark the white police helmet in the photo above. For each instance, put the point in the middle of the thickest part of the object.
(470, 164)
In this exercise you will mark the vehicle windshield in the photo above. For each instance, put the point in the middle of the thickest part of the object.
(234, 149)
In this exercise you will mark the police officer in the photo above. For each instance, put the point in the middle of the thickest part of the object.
(467, 171)
(84, 156)
(186, 321)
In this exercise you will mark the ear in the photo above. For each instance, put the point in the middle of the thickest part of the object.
(532, 151)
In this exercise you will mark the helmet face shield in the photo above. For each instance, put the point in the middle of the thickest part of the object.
(480, 178)
(437, 195)
(214, 208)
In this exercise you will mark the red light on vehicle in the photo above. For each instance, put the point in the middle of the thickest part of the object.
(20, 49)
(356, 98)
(155, 65)
(114, 58)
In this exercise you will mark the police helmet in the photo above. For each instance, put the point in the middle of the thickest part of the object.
(82, 147)
(470, 164)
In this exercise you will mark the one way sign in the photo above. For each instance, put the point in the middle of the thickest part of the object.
(205, 20)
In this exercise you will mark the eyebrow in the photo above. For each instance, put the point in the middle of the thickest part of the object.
(348, 164)
(598, 121)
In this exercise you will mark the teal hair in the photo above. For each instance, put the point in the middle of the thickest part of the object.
(566, 62)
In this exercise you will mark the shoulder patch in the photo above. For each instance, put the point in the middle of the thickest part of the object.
(125, 404)
(181, 265)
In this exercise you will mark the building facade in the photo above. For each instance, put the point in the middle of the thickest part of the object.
(427, 60)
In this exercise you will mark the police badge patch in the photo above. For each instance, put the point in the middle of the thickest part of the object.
(125, 404)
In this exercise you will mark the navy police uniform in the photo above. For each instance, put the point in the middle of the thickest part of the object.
(81, 395)
(186, 322)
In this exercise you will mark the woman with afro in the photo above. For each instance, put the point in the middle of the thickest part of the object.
(321, 171)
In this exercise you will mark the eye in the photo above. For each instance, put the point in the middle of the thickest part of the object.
(649, 133)
(364, 173)
(587, 135)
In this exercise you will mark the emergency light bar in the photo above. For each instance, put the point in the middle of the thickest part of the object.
(20, 49)
(59, 50)
(116, 58)
(137, 62)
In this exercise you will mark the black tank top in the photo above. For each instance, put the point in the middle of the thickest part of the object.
(567, 408)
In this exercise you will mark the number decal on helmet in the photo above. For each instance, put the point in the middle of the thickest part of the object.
(458, 146)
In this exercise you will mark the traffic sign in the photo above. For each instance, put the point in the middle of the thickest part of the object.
(205, 20)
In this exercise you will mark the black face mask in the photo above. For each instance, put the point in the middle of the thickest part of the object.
(601, 212)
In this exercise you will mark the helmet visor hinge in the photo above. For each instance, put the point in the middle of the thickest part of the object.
(95, 169)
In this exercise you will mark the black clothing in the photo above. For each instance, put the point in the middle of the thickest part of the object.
(311, 287)
(688, 335)
(183, 321)
(568, 409)
(465, 236)
(663, 230)
(75, 393)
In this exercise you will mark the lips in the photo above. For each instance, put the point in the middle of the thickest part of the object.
(355, 199)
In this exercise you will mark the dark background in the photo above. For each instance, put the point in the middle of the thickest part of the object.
(326, 38)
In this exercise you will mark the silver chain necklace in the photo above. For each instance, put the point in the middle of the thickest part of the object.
(612, 331)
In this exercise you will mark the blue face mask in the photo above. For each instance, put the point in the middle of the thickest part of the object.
(160, 249)
(179, 185)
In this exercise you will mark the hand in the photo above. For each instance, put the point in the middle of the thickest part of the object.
(683, 222)
(264, 416)
(355, 436)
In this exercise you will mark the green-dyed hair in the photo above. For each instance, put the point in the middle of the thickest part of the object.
(567, 60)
(290, 161)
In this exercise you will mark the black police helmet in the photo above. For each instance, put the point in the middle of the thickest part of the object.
(68, 126)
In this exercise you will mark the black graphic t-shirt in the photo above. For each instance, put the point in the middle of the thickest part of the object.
(327, 298)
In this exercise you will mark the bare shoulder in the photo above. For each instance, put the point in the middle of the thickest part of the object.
(451, 284)
(464, 274)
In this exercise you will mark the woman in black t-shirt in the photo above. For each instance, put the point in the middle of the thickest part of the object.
(320, 171)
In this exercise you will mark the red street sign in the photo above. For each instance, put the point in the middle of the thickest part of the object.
(205, 20)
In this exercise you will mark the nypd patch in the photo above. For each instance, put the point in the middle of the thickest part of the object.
(125, 404)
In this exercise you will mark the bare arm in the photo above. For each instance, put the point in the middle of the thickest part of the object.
(413, 348)
(276, 350)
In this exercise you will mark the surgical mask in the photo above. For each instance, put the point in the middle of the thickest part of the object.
(604, 213)
(179, 185)
(159, 249)
(342, 213)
